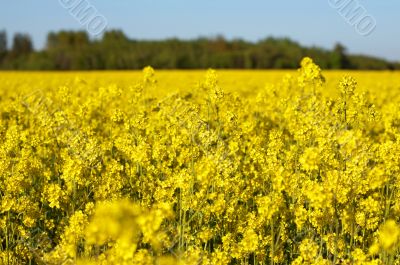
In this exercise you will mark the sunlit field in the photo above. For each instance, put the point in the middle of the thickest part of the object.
(200, 167)
(244, 82)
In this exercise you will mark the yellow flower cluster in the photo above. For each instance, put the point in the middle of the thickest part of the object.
(290, 167)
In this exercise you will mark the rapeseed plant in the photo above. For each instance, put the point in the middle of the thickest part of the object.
(149, 168)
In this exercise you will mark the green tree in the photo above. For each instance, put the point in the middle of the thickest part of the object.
(3, 45)
(22, 45)
(339, 59)
(74, 50)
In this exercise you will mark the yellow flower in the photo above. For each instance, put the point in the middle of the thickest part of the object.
(389, 235)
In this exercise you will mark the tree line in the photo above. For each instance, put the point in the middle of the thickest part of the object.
(74, 50)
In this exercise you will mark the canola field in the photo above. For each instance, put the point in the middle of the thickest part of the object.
(200, 167)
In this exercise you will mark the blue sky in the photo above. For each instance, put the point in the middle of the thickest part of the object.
(310, 22)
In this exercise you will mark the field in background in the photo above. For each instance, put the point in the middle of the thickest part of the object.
(169, 81)
(200, 167)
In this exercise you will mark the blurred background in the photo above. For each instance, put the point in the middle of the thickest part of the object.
(177, 34)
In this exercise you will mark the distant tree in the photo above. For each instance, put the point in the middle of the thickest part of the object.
(3, 41)
(3, 46)
(67, 40)
(74, 50)
(51, 42)
(116, 50)
(339, 59)
(22, 45)
(114, 36)
(71, 50)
